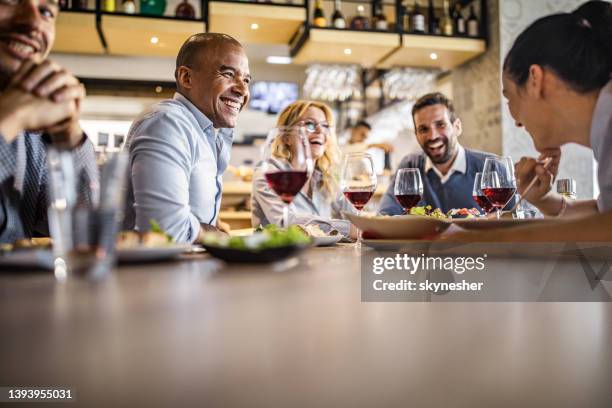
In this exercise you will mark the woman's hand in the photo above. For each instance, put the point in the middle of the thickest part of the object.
(527, 168)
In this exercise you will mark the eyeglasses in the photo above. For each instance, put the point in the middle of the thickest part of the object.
(311, 126)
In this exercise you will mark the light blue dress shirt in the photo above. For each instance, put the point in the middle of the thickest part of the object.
(601, 142)
(177, 160)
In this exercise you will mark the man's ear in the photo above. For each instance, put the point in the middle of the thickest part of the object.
(184, 78)
(535, 82)
(458, 127)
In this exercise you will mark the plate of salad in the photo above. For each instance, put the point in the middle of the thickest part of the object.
(267, 244)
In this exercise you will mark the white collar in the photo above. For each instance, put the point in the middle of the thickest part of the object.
(459, 165)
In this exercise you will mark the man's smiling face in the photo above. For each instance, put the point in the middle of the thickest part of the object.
(220, 84)
(27, 32)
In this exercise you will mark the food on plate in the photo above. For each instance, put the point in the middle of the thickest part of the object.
(428, 211)
(314, 231)
(156, 237)
(31, 243)
(266, 237)
(463, 213)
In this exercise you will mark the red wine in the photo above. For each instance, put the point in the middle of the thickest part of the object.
(499, 196)
(407, 201)
(286, 183)
(359, 198)
(484, 203)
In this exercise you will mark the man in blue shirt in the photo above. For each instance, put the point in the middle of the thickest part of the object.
(447, 168)
(180, 147)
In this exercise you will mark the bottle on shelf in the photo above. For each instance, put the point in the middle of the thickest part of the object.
(458, 20)
(338, 20)
(360, 21)
(380, 20)
(63, 4)
(472, 24)
(406, 15)
(128, 6)
(79, 5)
(417, 19)
(184, 10)
(319, 19)
(447, 22)
(436, 27)
(153, 7)
(108, 5)
(431, 18)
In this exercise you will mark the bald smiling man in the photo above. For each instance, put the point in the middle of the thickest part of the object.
(180, 147)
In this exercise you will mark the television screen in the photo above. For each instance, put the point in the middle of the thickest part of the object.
(272, 97)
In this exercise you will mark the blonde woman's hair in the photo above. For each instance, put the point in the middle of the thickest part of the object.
(328, 162)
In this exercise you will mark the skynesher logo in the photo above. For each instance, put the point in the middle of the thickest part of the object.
(411, 264)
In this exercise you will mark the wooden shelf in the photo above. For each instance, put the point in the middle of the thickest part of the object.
(235, 215)
(324, 45)
(76, 32)
(130, 35)
(237, 187)
(276, 23)
(416, 51)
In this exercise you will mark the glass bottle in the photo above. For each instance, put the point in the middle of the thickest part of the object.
(447, 21)
(184, 10)
(153, 7)
(380, 20)
(319, 16)
(431, 18)
(417, 19)
(128, 7)
(458, 19)
(472, 23)
(338, 20)
(360, 22)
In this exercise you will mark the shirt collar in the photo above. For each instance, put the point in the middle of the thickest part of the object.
(602, 117)
(459, 165)
(206, 124)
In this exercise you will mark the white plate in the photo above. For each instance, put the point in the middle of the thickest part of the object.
(327, 240)
(399, 226)
(144, 254)
(488, 223)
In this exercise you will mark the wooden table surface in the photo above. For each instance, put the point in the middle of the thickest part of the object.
(200, 333)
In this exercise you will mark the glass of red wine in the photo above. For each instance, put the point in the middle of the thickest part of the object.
(498, 183)
(287, 164)
(479, 195)
(408, 188)
(358, 181)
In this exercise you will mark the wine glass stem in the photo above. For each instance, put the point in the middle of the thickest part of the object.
(285, 215)
(358, 243)
(498, 212)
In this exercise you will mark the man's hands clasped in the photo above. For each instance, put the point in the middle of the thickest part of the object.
(43, 97)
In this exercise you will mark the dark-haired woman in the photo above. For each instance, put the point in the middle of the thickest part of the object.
(557, 80)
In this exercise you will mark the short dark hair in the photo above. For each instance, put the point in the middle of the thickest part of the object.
(363, 123)
(434, 98)
(198, 43)
(576, 46)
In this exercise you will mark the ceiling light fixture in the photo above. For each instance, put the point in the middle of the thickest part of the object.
(273, 59)
(154, 40)
(254, 26)
(348, 51)
(433, 56)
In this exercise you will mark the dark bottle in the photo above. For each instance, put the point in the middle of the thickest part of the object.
(360, 22)
(338, 20)
(79, 5)
(431, 18)
(380, 20)
(63, 4)
(319, 16)
(417, 19)
(458, 20)
(472, 24)
(184, 10)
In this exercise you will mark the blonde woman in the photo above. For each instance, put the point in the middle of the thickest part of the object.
(319, 202)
